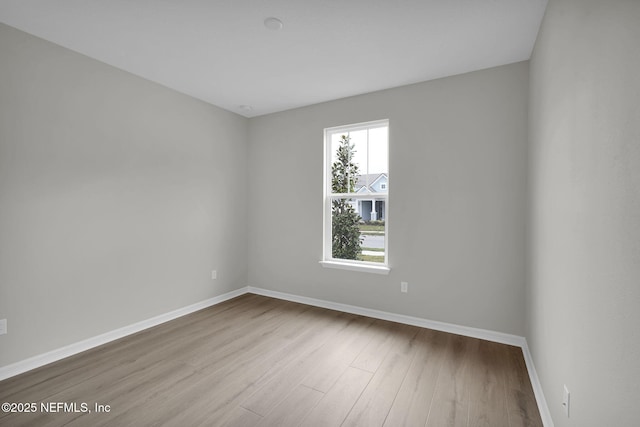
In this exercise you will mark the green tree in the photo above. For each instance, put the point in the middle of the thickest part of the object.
(345, 220)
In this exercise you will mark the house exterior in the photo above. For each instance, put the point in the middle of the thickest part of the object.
(375, 208)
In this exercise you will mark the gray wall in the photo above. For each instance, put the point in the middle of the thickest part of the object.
(457, 202)
(584, 290)
(117, 198)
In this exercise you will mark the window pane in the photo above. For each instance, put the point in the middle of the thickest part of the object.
(360, 161)
(345, 229)
(359, 141)
(346, 161)
(352, 237)
(378, 151)
(372, 234)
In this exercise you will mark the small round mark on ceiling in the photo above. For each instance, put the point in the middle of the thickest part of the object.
(273, 24)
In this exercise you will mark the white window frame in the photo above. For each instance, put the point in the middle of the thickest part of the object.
(355, 265)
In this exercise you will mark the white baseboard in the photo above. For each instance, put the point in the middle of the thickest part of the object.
(467, 331)
(78, 347)
(515, 340)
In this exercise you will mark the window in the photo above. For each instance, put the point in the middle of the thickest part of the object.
(356, 197)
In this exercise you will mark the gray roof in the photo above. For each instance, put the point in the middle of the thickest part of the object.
(367, 180)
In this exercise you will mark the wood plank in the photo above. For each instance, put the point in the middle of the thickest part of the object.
(293, 408)
(282, 379)
(374, 404)
(339, 399)
(263, 326)
(450, 403)
(335, 359)
(521, 404)
(411, 406)
(241, 417)
(488, 403)
(382, 341)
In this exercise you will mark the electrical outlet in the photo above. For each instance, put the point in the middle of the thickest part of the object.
(404, 287)
(566, 399)
(214, 274)
(3, 326)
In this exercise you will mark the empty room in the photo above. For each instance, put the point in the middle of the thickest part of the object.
(320, 213)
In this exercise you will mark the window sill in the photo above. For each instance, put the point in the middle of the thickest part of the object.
(366, 268)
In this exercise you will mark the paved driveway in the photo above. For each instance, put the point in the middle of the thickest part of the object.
(373, 241)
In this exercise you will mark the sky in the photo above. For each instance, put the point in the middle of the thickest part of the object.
(374, 154)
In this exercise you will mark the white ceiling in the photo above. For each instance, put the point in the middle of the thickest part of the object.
(219, 50)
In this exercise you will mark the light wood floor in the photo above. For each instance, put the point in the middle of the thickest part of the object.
(260, 361)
